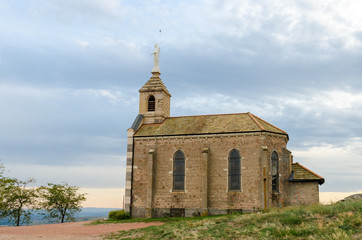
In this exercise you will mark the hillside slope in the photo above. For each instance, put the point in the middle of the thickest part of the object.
(342, 220)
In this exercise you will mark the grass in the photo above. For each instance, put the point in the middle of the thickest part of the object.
(341, 220)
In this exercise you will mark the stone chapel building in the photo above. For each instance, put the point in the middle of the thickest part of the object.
(208, 164)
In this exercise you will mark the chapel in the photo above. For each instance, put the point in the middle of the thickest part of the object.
(208, 164)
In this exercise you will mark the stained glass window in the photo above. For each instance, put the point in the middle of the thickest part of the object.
(234, 170)
(275, 171)
(179, 171)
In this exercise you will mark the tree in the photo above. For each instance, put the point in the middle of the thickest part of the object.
(17, 199)
(2, 192)
(1, 169)
(60, 201)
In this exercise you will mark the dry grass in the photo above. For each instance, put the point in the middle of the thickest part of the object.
(341, 220)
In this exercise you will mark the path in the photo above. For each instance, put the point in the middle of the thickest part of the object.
(68, 231)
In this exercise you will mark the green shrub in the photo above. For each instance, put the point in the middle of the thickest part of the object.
(118, 215)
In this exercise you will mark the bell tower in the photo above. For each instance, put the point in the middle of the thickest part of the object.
(154, 97)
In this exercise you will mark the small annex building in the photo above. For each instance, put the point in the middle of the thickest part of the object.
(208, 164)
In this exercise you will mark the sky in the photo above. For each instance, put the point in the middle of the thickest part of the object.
(70, 72)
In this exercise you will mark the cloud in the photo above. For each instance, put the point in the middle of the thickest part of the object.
(64, 126)
(339, 165)
(261, 45)
(317, 113)
(90, 11)
(82, 44)
(290, 23)
(86, 64)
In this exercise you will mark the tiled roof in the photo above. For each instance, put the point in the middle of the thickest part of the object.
(303, 174)
(208, 124)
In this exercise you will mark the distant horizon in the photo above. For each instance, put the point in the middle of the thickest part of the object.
(85, 214)
(97, 201)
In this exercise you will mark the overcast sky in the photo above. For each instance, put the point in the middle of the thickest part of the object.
(70, 73)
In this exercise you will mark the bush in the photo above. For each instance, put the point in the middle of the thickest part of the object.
(118, 215)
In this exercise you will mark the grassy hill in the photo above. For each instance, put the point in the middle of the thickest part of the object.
(342, 220)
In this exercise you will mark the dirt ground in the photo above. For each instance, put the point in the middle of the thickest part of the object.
(68, 231)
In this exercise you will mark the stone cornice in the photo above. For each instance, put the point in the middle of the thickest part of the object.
(218, 135)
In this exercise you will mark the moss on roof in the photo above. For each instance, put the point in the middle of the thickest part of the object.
(208, 124)
(302, 174)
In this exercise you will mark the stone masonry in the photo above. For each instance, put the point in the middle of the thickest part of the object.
(215, 197)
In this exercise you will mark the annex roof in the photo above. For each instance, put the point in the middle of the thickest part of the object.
(303, 174)
(208, 124)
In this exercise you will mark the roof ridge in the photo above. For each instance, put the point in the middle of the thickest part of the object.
(257, 123)
(152, 123)
(269, 124)
(202, 115)
(297, 163)
(208, 124)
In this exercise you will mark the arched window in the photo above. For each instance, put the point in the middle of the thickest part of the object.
(151, 104)
(179, 171)
(234, 170)
(275, 171)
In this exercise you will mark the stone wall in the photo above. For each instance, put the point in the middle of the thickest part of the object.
(302, 193)
(275, 143)
(162, 107)
(127, 200)
(218, 198)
